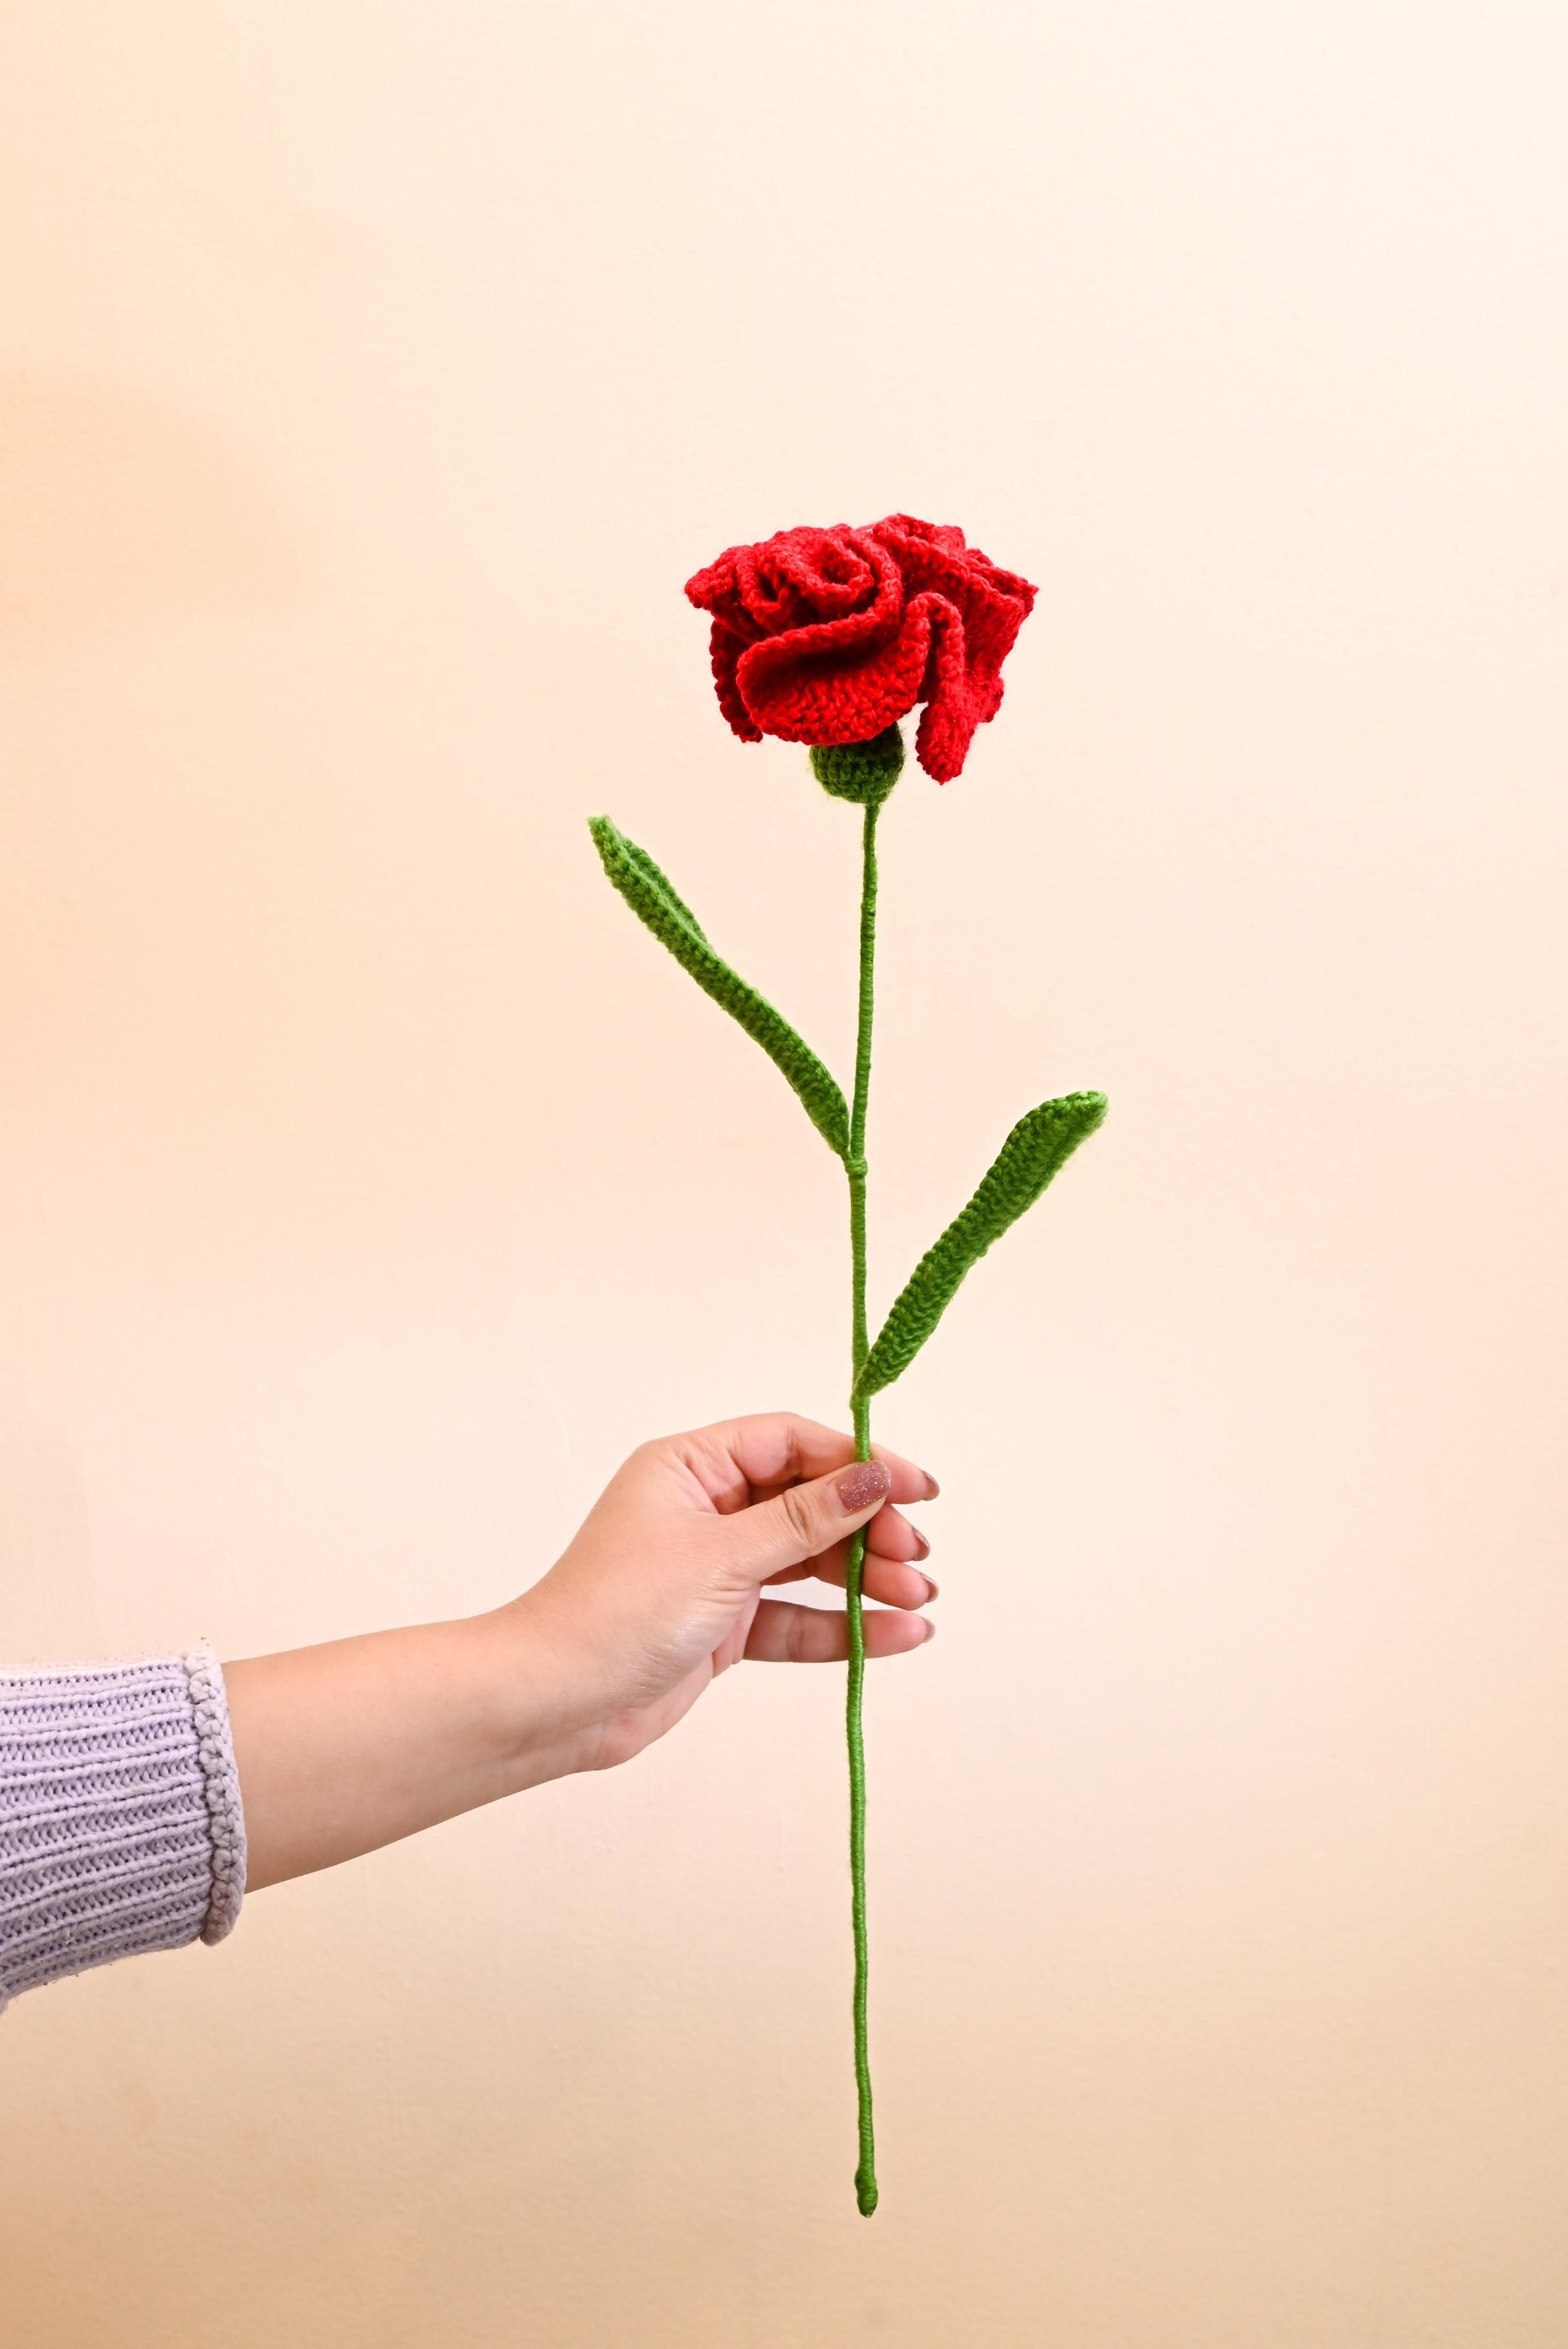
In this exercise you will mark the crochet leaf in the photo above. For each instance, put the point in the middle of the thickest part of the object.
(1037, 1148)
(675, 926)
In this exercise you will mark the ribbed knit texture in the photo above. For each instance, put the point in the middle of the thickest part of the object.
(120, 1825)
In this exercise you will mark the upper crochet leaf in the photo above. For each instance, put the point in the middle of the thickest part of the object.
(1037, 1147)
(673, 924)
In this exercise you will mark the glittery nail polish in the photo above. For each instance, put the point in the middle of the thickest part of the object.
(858, 1486)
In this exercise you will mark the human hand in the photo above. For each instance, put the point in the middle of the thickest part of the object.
(344, 1747)
(663, 1587)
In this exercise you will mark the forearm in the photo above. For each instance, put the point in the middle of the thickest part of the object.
(125, 1810)
(345, 1748)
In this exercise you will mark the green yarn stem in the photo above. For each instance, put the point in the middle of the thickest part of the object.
(1032, 1154)
(855, 1163)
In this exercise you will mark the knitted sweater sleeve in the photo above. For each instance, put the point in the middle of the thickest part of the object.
(120, 1825)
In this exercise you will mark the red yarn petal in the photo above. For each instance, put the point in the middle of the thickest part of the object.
(805, 577)
(725, 650)
(983, 610)
(792, 690)
(947, 535)
(947, 722)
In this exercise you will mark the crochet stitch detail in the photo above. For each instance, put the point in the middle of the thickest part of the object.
(864, 773)
(1036, 1150)
(832, 635)
(220, 1789)
(121, 1822)
(654, 901)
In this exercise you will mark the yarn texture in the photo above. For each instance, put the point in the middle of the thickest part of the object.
(866, 2192)
(862, 771)
(1038, 1147)
(829, 638)
(120, 1823)
(832, 635)
(673, 924)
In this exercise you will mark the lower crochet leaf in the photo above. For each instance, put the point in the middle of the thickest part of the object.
(1037, 1148)
(673, 924)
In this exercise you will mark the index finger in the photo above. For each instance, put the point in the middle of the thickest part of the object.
(740, 1461)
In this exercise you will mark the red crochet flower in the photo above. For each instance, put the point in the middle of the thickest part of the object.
(830, 636)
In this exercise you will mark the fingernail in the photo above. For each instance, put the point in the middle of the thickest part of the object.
(932, 1487)
(933, 1590)
(930, 1632)
(858, 1486)
(925, 1548)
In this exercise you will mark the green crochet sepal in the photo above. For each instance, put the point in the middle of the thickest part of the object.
(675, 926)
(1037, 1148)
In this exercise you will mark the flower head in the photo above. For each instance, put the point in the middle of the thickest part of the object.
(832, 635)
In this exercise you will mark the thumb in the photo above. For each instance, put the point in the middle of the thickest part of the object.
(807, 1519)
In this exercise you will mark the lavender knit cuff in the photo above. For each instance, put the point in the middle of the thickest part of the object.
(120, 1825)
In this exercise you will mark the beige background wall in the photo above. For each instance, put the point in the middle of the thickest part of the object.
(370, 378)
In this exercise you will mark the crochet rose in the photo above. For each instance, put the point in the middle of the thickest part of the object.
(831, 635)
(829, 638)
